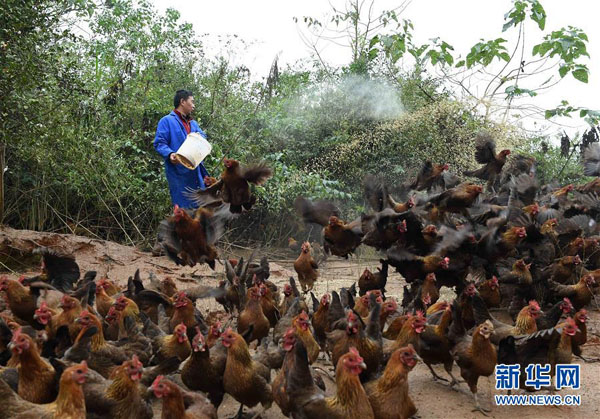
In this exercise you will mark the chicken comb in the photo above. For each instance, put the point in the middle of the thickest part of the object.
(534, 304)
(420, 314)
(570, 321)
(136, 361)
(303, 316)
(84, 313)
(354, 352)
(180, 326)
(289, 332)
(567, 301)
(157, 381)
(83, 365)
(43, 306)
(22, 279)
(582, 311)
(446, 259)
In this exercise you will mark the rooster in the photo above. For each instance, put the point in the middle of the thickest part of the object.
(233, 189)
(485, 153)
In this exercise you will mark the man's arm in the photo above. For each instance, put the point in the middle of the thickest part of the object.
(161, 140)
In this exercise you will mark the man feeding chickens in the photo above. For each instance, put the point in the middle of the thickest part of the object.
(171, 132)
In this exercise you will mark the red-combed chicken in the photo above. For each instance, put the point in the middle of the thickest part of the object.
(253, 315)
(306, 268)
(429, 176)
(302, 328)
(485, 153)
(189, 239)
(70, 403)
(22, 300)
(36, 376)
(489, 290)
(175, 345)
(524, 325)
(124, 391)
(204, 369)
(580, 294)
(320, 320)
(233, 188)
(244, 379)
(103, 300)
(388, 394)
(177, 403)
(280, 381)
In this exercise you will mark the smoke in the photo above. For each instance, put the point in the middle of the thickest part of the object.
(352, 97)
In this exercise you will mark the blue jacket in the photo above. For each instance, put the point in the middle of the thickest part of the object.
(170, 134)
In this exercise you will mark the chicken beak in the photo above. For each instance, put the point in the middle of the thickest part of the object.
(363, 366)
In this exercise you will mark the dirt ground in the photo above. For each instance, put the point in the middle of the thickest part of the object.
(433, 399)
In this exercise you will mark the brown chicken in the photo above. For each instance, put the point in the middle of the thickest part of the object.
(580, 294)
(244, 379)
(366, 339)
(71, 308)
(320, 320)
(351, 400)
(178, 403)
(280, 381)
(293, 244)
(524, 325)
(456, 200)
(70, 403)
(288, 298)
(253, 315)
(580, 338)
(302, 328)
(36, 376)
(103, 300)
(306, 268)
(183, 311)
(168, 346)
(22, 300)
(234, 186)
(189, 240)
(204, 369)
(409, 333)
(388, 308)
(429, 287)
(268, 304)
(413, 267)
(489, 290)
(388, 394)
(485, 153)
(401, 206)
(340, 238)
(429, 175)
(308, 401)
(125, 393)
(475, 355)
(103, 356)
(564, 270)
(373, 280)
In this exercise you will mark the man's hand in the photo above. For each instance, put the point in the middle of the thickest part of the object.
(173, 158)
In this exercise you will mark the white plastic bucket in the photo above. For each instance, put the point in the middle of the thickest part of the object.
(193, 151)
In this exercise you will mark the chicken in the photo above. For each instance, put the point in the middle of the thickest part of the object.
(388, 394)
(564, 270)
(22, 300)
(524, 325)
(178, 403)
(288, 298)
(413, 267)
(293, 244)
(475, 355)
(244, 379)
(485, 153)
(366, 339)
(550, 346)
(233, 189)
(552, 316)
(306, 268)
(36, 376)
(280, 381)
(455, 200)
(373, 281)
(71, 308)
(429, 176)
(386, 228)
(489, 290)
(58, 269)
(103, 300)
(351, 400)
(320, 320)
(124, 392)
(400, 207)
(302, 329)
(412, 327)
(253, 315)
(187, 239)
(429, 287)
(204, 369)
(341, 238)
(580, 294)
(580, 338)
(388, 308)
(70, 403)
(434, 347)
(168, 346)
(268, 304)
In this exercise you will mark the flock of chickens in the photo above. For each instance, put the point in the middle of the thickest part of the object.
(75, 347)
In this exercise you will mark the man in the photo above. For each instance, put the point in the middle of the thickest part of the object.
(171, 132)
